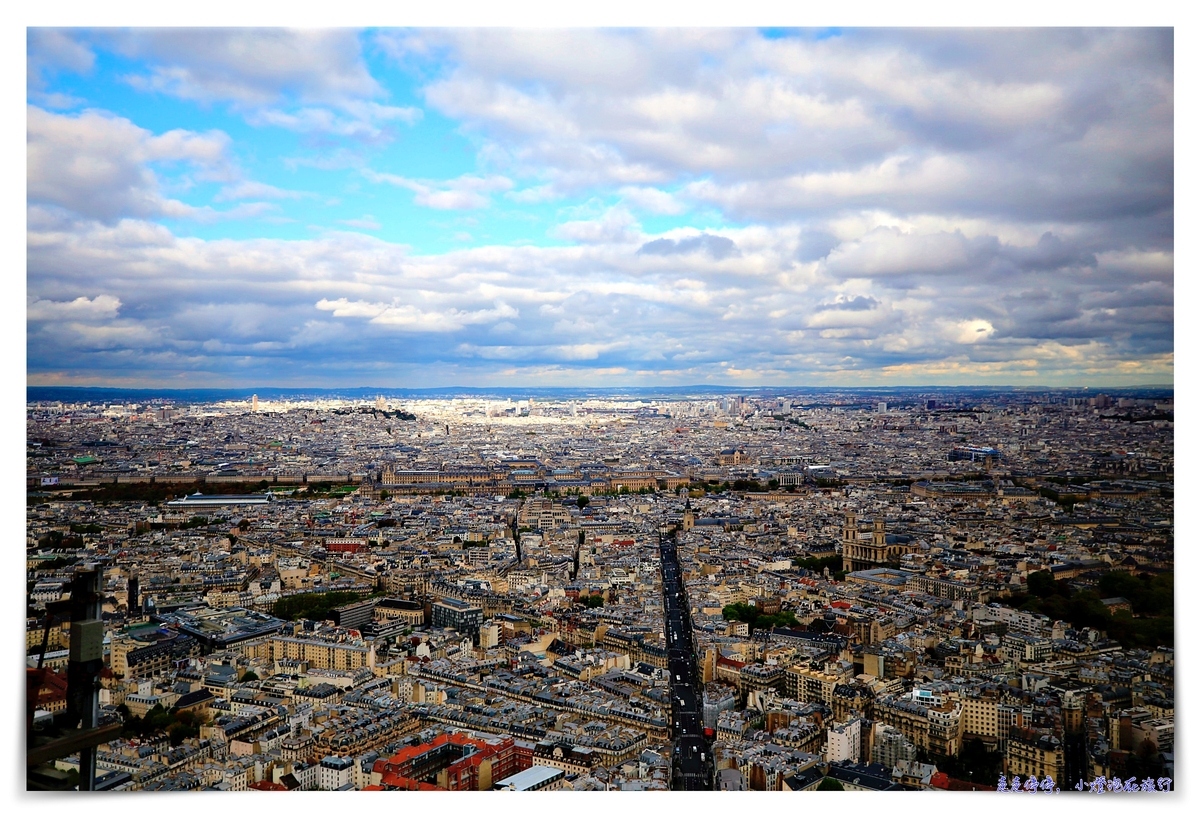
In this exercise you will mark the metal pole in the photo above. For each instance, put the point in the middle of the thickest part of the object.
(84, 664)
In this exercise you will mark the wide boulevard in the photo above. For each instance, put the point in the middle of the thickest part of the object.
(692, 762)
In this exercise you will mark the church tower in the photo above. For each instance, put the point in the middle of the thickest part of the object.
(850, 546)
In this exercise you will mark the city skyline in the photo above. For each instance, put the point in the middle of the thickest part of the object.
(935, 590)
(417, 208)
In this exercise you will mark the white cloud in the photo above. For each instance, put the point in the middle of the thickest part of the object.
(616, 226)
(893, 176)
(367, 222)
(365, 119)
(252, 67)
(466, 192)
(533, 195)
(594, 305)
(51, 50)
(98, 164)
(916, 205)
(246, 189)
(414, 319)
(312, 81)
(776, 129)
(972, 331)
(652, 200)
(888, 251)
(102, 307)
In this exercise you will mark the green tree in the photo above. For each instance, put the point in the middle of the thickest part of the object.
(829, 784)
(818, 565)
(785, 618)
(179, 732)
(1041, 583)
(314, 606)
(740, 612)
(1152, 597)
(751, 615)
(747, 485)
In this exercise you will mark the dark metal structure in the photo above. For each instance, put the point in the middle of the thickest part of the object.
(77, 729)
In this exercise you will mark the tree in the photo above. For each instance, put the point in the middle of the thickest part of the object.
(314, 606)
(819, 565)
(974, 763)
(249, 675)
(179, 732)
(740, 612)
(829, 784)
(1151, 597)
(582, 501)
(1042, 583)
(751, 615)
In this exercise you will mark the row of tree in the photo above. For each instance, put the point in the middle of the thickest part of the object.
(313, 606)
(818, 565)
(1152, 598)
(758, 620)
(179, 725)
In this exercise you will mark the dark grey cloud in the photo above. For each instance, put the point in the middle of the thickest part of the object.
(815, 244)
(716, 246)
(1051, 253)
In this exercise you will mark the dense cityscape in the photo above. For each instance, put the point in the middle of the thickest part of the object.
(536, 397)
(769, 590)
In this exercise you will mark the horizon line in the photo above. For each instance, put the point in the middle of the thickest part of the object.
(931, 386)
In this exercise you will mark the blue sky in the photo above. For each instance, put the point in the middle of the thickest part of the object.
(430, 207)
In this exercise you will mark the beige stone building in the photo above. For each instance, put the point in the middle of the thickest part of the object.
(1032, 754)
(865, 548)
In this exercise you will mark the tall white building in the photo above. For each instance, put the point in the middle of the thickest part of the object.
(844, 741)
(335, 772)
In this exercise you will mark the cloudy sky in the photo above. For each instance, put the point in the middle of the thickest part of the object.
(432, 207)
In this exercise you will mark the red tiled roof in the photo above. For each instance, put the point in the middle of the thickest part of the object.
(267, 785)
